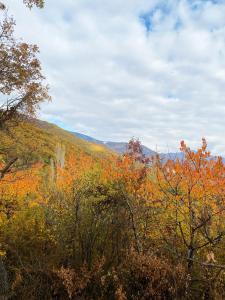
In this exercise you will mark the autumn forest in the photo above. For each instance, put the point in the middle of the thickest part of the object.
(78, 221)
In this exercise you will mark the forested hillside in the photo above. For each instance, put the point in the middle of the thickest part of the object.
(81, 223)
(40, 139)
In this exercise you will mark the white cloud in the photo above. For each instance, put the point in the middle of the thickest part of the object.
(112, 79)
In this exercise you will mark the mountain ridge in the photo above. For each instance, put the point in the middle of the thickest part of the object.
(118, 147)
(121, 147)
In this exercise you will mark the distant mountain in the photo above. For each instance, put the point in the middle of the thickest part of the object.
(171, 156)
(119, 147)
(87, 138)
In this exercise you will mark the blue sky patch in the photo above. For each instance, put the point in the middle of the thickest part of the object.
(147, 17)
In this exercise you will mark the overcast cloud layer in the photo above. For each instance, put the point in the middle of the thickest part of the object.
(117, 69)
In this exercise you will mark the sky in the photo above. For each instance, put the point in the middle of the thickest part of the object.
(117, 69)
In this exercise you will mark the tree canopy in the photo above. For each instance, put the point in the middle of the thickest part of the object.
(21, 85)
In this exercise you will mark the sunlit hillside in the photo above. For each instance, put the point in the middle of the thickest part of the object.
(38, 141)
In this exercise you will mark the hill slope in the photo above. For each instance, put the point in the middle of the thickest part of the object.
(37, 141)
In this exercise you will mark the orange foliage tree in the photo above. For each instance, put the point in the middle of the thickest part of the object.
(192, 192)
